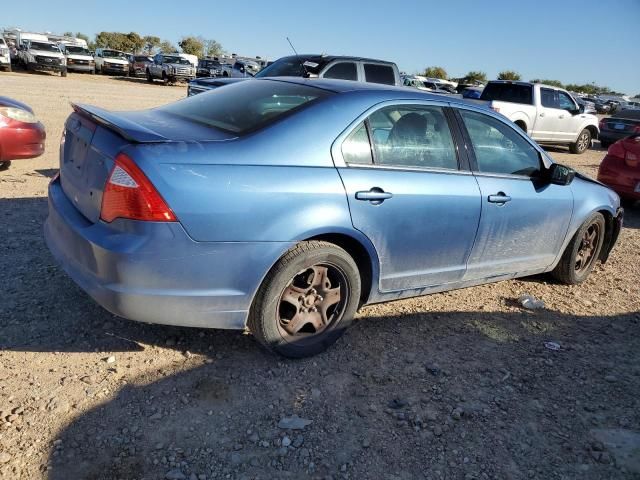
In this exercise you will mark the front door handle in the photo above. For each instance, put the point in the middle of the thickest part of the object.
(542, 114)
(376, 195)
(500, 198)
(561, 116)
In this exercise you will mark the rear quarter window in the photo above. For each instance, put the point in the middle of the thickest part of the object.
(508, 92)
(376, 73)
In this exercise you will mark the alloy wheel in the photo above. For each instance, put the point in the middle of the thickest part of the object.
(585, 255)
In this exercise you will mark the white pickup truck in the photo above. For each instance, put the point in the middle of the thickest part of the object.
(548, 114)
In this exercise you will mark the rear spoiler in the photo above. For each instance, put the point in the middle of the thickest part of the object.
(130, 131)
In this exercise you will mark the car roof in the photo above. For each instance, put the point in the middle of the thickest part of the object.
(324, 59)
(391, 92)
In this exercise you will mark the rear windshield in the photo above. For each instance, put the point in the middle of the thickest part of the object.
(508, 92)
(245, 106)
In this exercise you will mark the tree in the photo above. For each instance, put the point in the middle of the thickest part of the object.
(212, 48)
(151, 43)
(126, 42)
(553, 83)
(192, 46)
(474, 76)
(435, 72)
(167, 47)
(509, 75)
(68, 34)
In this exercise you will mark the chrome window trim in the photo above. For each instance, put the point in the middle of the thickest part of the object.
(445, 171)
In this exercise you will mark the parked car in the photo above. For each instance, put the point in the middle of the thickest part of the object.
(282, 205)
(209, 68)
(43, 56)
(240, 69)
(170, 69)
(5, 55)
(548, 114)
(21, 134)
(620, 169)
(619, 125)
(601, 106)
(316, 66)
(428, 85)
(79, 59)
(138, 65)
(585, 106)
(111, 62)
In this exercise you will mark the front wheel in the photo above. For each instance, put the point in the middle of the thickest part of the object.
(307, 300)
(582, 144)
(149, 77)
(63, 73)
(5, 165)
(582, 252)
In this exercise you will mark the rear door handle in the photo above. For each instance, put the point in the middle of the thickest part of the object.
(376, 195)
(499, 197)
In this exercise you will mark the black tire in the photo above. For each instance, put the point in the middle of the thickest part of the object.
(604, 144)
(165, 79)
(582, 144)
(149, 77)
(307, 262)
(567, 270)
(5, 165)
(93, 71)
(63, 73)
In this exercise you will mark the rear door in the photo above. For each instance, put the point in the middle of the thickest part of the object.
(524, 219)
(346, 70)
(410, 193)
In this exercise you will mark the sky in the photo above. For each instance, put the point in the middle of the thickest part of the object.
(574, 41)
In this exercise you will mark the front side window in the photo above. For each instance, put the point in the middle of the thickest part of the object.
(376, 73)
(412, 136)
(566, 102)
(498, 147)
(342, 71)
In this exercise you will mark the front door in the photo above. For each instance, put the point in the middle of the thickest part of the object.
(524, 220)
(409, 196)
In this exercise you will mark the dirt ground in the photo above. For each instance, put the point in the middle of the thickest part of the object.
(456, 385)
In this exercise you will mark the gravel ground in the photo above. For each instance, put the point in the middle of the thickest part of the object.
(456, 385)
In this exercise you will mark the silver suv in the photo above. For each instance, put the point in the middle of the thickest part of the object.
(170, 68)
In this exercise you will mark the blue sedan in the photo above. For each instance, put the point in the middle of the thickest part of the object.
(283, 205)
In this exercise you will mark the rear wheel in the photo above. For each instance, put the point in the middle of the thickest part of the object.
(63, 73)
(149, 77)
(582, 144)
(5, 165)
(582, 252)
(306, 301)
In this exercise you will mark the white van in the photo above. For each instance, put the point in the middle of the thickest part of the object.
(79, 59)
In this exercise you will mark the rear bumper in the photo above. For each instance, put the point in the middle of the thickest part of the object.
(154, 272)
(25, 141)
(612, 136)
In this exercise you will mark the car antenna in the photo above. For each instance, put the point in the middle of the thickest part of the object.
(306, 73)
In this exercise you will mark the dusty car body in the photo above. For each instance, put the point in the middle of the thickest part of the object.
(282, 205)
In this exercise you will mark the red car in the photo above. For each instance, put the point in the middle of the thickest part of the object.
(620, 169)
(21, 134)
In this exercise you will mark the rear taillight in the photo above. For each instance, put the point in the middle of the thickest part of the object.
(129, 194)
(602, 124)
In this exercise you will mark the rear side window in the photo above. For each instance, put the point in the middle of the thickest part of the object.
(548, 98)
(245, 106)
(342, 71)
(357, 148)
(508, 92)
(375, 73)
(498, 147)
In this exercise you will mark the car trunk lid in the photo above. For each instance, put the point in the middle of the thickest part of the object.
(94, 137)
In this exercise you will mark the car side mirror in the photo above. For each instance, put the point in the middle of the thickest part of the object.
(560, 174)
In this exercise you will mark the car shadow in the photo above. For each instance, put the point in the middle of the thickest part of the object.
(398, 376)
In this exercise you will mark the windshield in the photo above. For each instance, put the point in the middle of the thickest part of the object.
(289, 67)
(245, 106)
(77, 50)
(178, 60)
(47, 47)
(209, 64)
(114, 54)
